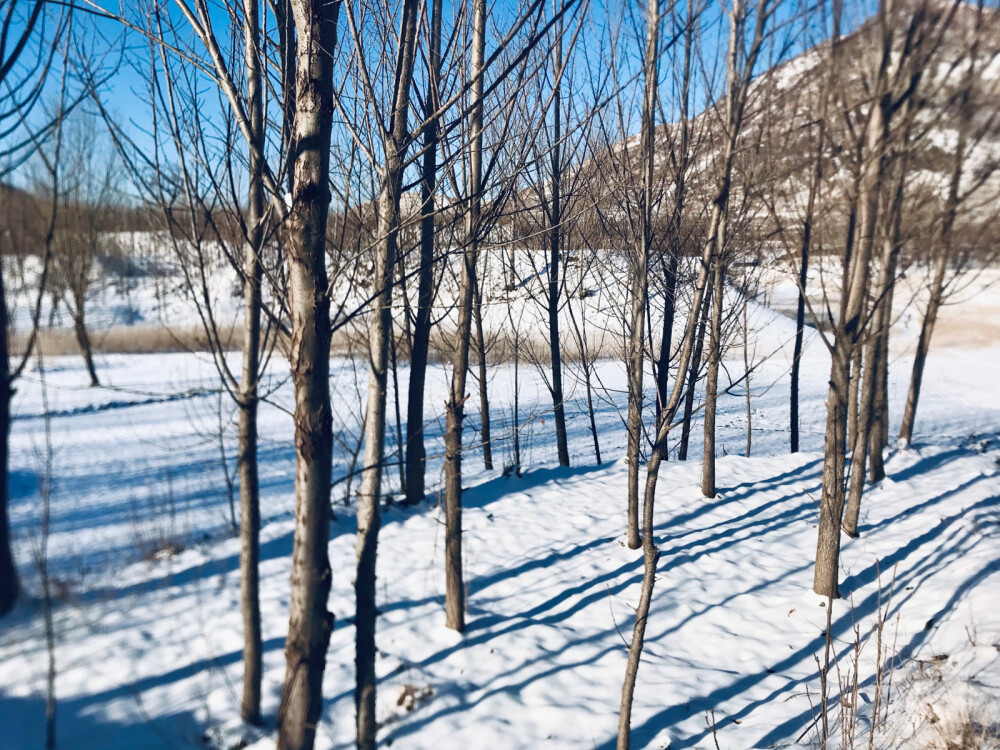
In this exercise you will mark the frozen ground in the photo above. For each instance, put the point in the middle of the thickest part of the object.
(148, 642)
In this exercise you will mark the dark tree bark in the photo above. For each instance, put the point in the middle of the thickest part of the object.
(10, 585)
(483, 379)
(415, 451)
(455, 410)
(83, 341)
(681, 163)
(310, 623)
(692, 379)
(555, 253)
(804, 253)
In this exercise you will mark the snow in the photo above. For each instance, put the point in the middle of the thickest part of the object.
(146, 572)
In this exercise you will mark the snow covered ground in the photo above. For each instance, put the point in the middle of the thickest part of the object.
(148, 625)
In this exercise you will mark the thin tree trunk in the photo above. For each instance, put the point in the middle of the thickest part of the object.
(650, 553)
(248, 399)
(83, 340)
(677, 228)
(842, 398)
(666, 333)
(517, 405)
(873, 407)
(692, 380)
(853, 396)
(856, 480)
(881, 430)
(712, 382)
(640, 282)
(737, 100)
(310, 623)
(393, 352)
(944, 248)
(379, 332)
(455, 412)
(804, 252)
(415, 450)
(879, 436)
(923, 346)
(746, 365)
(590, 412)
(555, 235)
(10, 585)
(483, 380)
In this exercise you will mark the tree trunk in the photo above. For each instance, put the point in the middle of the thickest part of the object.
(248, 399)
(455, 411)
(10, 586)
(735, 105)
(879, 434)
(590, 411)
(483, 380)
(677, 230)
(639, 262)
(856, 481)
(712, 381)
(842, 401)
(800, 324)
(83, 340)
(746, 363)
(692, 380)
(393, 357)
(250, 556)
(650, 553)
(310, 623)
(804, 252)
(666, 333)
(379, 332)
(853, 397)
(415, 450)
(825, 575)
(555, 234)
(923, 346)
(944, 247)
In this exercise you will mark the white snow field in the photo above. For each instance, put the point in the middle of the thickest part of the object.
(147, 621)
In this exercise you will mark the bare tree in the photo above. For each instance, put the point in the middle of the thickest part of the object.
(40, 35)
(310, 623)
(735, 85)
(395, 142)
(651, 554)
(894, 82)
(740, 66)
(556, 218)
(967, 108)
(639, 288)
(80, 244)
(415, 451)
(455, 411)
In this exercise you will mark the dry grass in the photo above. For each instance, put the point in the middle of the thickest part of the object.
(346, 343)
(125, 340)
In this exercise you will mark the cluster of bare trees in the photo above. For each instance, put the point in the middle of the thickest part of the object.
(362, 157)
